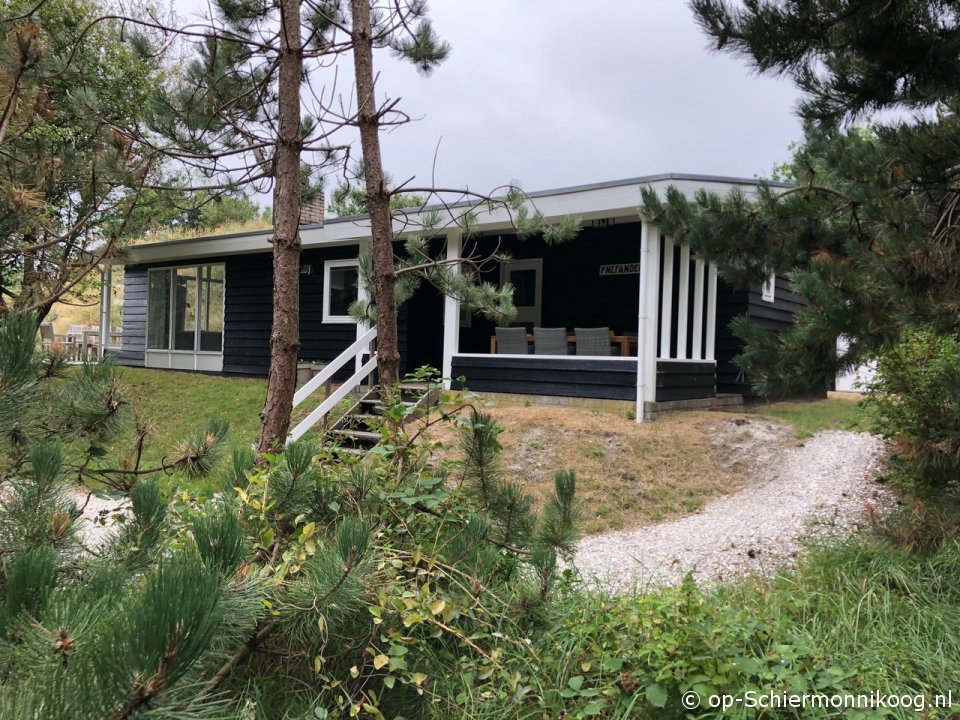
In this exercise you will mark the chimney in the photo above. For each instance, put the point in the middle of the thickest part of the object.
(311, 212)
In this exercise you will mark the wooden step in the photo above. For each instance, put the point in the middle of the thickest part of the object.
(357, 435)
(374, 437)
(359, 421)
(353, 433)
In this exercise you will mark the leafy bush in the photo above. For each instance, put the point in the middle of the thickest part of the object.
(915, 398)
(623, 656)
(850, 620)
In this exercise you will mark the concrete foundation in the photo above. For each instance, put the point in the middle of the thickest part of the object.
(653, 410)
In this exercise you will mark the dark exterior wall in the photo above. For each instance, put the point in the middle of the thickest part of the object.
(779, 314)
(421, 329)
(775, 316)
(574, 293)
(134, 338)
(731, 303)
(678, 380)
(248, 311)
(573, 377)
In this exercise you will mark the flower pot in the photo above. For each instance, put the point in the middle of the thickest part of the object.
(304, 372)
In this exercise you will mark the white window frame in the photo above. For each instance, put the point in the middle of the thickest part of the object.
(526, 314)
(768, 290)
(196, 359)
(327, 266)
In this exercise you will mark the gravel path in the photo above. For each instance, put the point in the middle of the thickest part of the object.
(813, 489)
(98, 521)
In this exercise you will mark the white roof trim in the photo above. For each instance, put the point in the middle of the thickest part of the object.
(617, 199)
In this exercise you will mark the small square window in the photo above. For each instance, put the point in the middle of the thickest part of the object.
(340, 282)
(768, 290)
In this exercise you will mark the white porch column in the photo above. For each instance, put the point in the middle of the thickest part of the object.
(363, 295)
(698, 310)
(106, 298)
(683, 302)
(666, 316)
(710, 351)
(646, 317)
(451, 311)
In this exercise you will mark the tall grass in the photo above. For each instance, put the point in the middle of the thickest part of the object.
(850, 619)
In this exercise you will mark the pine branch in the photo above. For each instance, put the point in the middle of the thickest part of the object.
(251, 646)
(144, 693)
(493, 541)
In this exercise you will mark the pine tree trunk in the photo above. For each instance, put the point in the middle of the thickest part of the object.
(378, 199)
(285, 335)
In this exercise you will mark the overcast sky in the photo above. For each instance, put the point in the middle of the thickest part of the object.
(557, 93)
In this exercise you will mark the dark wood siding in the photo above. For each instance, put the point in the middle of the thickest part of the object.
(677, 380)
(573, 377)
(248, 316)
(134, 339)
(248, 311)
(574, 292)
(779, 314)
(775, 316)
(731, 303)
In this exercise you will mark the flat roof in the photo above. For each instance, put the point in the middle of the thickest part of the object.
(613, 198)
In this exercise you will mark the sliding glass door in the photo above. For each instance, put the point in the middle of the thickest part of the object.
(185, 318)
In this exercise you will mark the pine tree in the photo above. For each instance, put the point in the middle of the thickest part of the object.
(240, 115)
(307, 587)
(69, 182)
(406, 29)
(868, 235)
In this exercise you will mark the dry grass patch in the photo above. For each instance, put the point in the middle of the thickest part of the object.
(628, 474)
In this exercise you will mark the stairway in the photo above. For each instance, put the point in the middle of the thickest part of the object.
(358, 430)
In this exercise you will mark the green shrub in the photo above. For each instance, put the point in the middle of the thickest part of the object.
(312, 586)
(852, 619)
(915, 397)
(637, 655)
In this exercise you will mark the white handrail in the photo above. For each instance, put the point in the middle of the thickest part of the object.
(329, 403)
(330, 370)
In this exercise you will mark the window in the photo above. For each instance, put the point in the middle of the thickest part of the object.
(769, 288)
(340, 282)
(185, 309)
(158, 310)
(526, 276)
(211, 308)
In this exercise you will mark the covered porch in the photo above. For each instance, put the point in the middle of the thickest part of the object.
(654, 299)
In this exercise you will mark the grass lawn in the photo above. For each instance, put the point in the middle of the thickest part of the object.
(629, 473)
(176, 403)
(809, 417)
(853, 619)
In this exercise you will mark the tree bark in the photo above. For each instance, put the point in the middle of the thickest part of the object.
(285, 334)
(378, 199)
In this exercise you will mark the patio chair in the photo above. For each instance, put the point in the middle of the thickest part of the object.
(550, 341)
(75, 333)
(512, 341)
(593, 341)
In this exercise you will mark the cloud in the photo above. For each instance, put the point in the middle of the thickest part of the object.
(562, 93)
